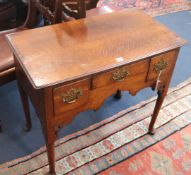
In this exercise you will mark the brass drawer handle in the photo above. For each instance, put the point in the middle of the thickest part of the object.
(161, 65)
(72, 95)
(120, 74)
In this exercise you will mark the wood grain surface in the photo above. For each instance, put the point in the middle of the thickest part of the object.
(79, 48)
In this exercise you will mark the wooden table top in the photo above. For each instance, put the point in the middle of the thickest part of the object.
(72, 50)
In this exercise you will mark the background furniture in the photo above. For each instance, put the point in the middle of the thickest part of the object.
(7, 14)
(12, 14)
(81, 73)
(21, 10)
(79, 9)
(7, 67)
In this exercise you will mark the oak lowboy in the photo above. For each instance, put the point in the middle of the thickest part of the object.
(71, 67)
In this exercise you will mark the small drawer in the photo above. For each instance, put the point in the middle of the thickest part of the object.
(122, 74)
(163, 62)
(70, 96)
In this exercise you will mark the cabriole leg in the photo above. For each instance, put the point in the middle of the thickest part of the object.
(161, 95)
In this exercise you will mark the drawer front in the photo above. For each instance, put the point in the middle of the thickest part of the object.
(70, 96)
(164, 63)
(120, 75)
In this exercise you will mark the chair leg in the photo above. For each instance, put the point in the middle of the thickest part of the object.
(25, 103)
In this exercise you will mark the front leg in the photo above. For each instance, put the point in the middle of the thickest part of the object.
(161, 95)
(50, 137)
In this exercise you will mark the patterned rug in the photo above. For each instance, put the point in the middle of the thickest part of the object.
(169, 157)
(118, 138)
(152, 7)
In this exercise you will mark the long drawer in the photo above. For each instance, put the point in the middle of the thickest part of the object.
(124, 74)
